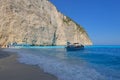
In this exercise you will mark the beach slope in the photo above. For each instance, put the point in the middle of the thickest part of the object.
(11, 69)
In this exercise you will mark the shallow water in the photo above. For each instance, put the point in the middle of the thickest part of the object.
(92, 63)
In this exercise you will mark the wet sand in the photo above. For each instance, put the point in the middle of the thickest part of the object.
(11, 69)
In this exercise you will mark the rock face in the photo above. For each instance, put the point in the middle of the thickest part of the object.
(37, 22)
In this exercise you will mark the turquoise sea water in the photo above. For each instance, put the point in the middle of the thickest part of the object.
(92, 63)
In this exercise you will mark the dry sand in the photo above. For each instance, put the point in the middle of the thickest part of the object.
(11, 69)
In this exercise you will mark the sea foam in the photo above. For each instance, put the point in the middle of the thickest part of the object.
(64, 69)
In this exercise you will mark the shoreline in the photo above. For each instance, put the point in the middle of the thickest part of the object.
(12, 69)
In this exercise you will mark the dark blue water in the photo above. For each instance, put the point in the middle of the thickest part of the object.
(104, 59)
(92, 63)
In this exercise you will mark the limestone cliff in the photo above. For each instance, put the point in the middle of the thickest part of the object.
(37, 22)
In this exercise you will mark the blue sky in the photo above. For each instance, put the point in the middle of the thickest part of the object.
(100, 18)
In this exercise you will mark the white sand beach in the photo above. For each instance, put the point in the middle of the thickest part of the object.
(11, 69)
